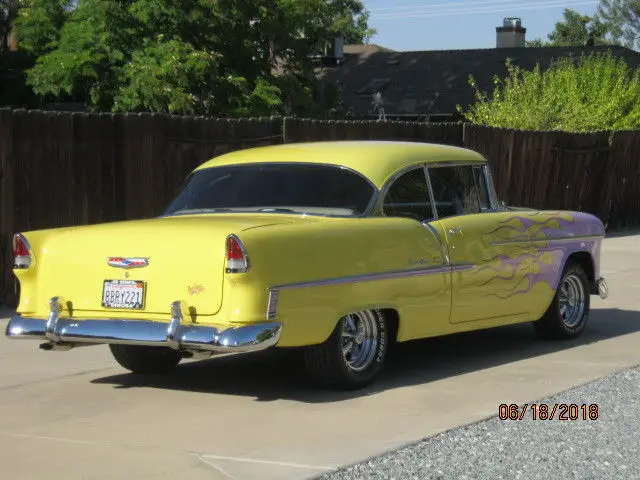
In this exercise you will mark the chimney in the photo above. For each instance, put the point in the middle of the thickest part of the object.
(511, 34)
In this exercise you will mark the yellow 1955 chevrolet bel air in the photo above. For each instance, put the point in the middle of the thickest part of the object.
(336, 247)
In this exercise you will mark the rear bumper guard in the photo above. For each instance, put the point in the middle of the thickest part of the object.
(65, 333)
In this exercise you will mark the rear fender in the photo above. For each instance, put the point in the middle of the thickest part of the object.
(314, 274)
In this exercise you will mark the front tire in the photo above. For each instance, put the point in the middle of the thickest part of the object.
(144, 360)
(353, 355)
(568, 313)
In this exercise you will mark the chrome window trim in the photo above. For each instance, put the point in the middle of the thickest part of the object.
(490, 192)
(432, 197)
(493, 195)
(455, 163)
(392, 180)
(366, 213)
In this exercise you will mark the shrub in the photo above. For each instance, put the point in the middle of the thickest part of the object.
(592, 93)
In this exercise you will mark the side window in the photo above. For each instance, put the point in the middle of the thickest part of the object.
(455, 190)
(483, 188)
(408, 197)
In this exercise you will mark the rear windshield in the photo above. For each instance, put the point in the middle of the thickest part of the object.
(278, 188)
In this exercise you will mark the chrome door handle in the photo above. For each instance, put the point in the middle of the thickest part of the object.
(454, 230)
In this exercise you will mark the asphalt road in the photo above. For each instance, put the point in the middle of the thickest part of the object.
(78, 415)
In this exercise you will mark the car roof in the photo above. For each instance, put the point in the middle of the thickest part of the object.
(376, 160)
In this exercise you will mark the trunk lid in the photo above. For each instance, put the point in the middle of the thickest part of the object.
(153, 262)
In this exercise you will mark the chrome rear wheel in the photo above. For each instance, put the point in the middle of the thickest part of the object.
(359, 340)
(354, 353)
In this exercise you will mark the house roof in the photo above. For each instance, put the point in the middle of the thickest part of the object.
(376, 160)
(434, 82)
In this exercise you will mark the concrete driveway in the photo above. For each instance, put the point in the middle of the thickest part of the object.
(78, 415)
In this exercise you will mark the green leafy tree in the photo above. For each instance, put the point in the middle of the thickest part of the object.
(575, 29)
(622, 20)
(38, 24)
(593, 93)
(223, 57)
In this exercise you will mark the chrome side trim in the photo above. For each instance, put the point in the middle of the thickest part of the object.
(370, 277)
(546, 240)
(66, 333)
(272, 304)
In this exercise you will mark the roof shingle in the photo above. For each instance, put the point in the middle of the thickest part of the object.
(434, 82)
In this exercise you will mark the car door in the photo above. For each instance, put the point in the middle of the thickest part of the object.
(490, 274)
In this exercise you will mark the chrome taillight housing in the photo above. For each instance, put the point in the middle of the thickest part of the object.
(22, 256)
(237, 258)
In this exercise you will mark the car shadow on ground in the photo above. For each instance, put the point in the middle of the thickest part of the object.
(277, 375)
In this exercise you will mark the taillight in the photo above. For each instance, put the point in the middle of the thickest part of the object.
(237, 259)
(21, 252)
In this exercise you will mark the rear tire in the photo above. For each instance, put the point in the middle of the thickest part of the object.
(568, 313)
(143, 359)
(353, 355)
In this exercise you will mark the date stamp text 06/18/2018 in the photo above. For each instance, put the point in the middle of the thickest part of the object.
(549, 411)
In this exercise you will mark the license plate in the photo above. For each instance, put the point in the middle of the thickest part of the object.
(127, 294)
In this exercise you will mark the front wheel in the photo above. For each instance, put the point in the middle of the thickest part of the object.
(354, 353)
(568, 313)
(143, 359)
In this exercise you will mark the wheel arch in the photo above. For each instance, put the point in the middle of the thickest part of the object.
(585, 260)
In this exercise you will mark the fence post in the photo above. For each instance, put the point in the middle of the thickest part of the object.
(284, 130)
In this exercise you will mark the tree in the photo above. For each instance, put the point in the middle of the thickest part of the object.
(575, 30)
(228, 57)
(39, 22)
(595, 92)
(622, 20)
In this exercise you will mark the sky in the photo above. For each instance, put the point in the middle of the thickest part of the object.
(405, 25)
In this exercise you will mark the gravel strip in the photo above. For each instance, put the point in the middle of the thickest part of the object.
(606, 448)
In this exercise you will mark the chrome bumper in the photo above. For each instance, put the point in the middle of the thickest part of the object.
(602, 287)
(65, 333)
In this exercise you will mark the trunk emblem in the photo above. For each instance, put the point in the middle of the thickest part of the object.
(121, 262)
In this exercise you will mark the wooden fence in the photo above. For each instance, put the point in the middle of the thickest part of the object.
(597, 173)
(59, 168)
